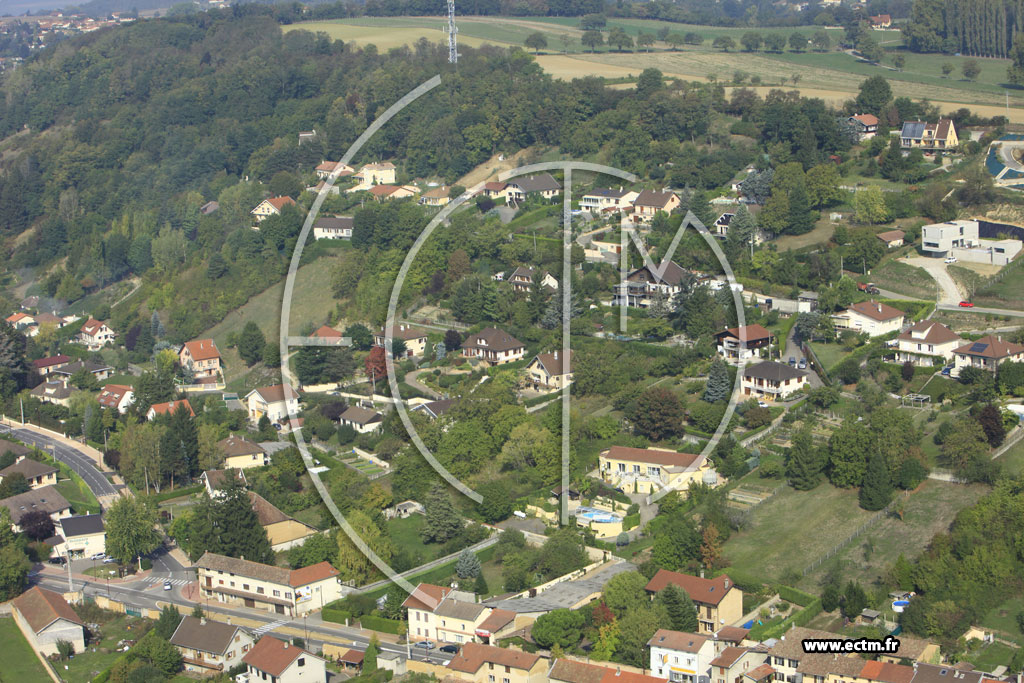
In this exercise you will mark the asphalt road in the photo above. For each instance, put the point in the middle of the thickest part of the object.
(980, 309)
(82, 464)
(145, 594)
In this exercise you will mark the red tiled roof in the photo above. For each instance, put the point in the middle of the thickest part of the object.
(753, 332)
(273, 656)
(728, 657)
(887, 672)
(707, 591)
(312, 574)
(275, 393)
(383, 190)
(496, 620)
(866, 119)
(650, 455)
(876, 310)
(41, 607)
(891, 235)
(732, 634)
(281, 202)
(91, 326)
(202, 349)
(495, 186)
(934, 333)
(472, 656)
(325, 332)
(50, 361)
(677, 640)
(426, 597)
(112, 395)
(990, 347)
(171, 406)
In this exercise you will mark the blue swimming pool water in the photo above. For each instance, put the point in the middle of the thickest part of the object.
(595, 515)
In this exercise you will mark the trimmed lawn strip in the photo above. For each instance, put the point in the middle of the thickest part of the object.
(20, 661)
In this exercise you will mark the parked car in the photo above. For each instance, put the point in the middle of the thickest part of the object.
(802, 364)
(109, 560)
(449, 649)
(762, 404)
(946, 370)
(59, 560)
(951, 259)
(966, 304)
(792, 360)
(424, 644)
(97, 557)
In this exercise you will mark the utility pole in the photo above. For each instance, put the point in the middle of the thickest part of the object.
(71, 586)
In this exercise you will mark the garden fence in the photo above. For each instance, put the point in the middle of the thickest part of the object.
(849, 539)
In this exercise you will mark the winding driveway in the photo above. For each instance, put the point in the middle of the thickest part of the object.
(951, 295)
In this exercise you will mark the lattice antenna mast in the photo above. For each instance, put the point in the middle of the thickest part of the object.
(453, 48)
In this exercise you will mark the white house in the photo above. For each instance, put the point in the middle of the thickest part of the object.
(521, 279)
(45, 618)
(772, 381)
(684, 657)
(987, 353)
(210, 647)
(962, 240)
(927, 343)
(493, 346)
(275, 402)
(214, 480)
(543, 184)
(333, 228)
(604, 199)
(360, 419)
(382, 173)
(95, 334)
(873, 317)
(270, 207)
(643, 286)
(275, 661)
(169, 408)
(117, 397)
(84, 536)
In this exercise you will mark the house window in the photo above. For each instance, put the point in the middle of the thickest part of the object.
(793, 663)
(245, 586)
(259, 589)
(491, 678)
(302, 661)
(277, 594)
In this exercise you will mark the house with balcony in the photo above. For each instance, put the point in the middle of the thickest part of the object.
(210, 647)
(719, 601)
(493, 346)
(929, 137)
(643, 286)
(987, 353)
(288, 592)
(607, 200)
(521, 279)
(771, 381)
(549, 371)
(201, 357)
(743, 343)
(379, 173)
(978, 241)
(37, 474)
(649, 203)
(681, 657)
(866, 125)
(543, 184)
(415, 340)
(873, 317)
(95, 334)
(646, 470)
(927, 343)
(275, 403)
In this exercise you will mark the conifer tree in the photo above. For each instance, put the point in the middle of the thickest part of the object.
(442, 521)
(876, 491)
(680, 608)
(804, 466)
(717, 388)
(468, 566)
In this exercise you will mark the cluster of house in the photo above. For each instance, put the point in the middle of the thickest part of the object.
(46, 26)
(207, 647)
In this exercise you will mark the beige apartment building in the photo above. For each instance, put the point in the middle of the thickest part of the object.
(718, 601)
(271, 589)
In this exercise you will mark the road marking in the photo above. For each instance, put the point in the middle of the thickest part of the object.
(266, 628)
(161, 579)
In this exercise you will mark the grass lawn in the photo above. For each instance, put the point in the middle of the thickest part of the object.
(78, 494)
(20, 661)
(990, 656)
(829, 354)
(785, 535)
(821, 233)
(904, 279)
(1004, 619)
(928, 511)
(492, 575)
(1007, 293)
(84, 666)
(405, 533)
(1013, 459)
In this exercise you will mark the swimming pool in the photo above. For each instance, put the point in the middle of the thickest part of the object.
(899, 605)
(595, 515)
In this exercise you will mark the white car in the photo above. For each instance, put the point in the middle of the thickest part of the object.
(167, 585)
(97, 557)
(109, 560)
(762, 404)
(951, 259)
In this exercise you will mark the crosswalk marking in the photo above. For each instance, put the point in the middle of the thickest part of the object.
(162, 579)
(266, 628)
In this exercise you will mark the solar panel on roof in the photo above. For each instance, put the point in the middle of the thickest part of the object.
(978, 347)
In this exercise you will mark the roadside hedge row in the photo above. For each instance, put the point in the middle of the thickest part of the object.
(375, 623)
(630, 521)
(795, 596)
(777, 629)
(176, 493)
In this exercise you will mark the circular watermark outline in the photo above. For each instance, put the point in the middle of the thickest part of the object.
(566, 167)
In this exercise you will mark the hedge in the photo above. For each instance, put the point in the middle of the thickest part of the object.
(795, 596)
(630, 521)
(333, 614)
(176, 493)
(374, 623)
(774, 629)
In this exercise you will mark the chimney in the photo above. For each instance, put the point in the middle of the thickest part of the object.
(285, 644)
(618, 671)
(556, 355)
(878, 306)
(727, 583)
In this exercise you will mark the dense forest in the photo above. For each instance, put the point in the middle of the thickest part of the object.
(984, 28)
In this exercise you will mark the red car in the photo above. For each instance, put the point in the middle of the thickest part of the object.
(966, 304)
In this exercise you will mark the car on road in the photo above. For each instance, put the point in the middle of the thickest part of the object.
(946, 370)
(951, 259)
(167, 585)
(424, 644)
(59, 560)
(762, 404)
(97, 557)
(792, 360)
(802, 364)
(449, 649)
(109, 560)
(966, 304)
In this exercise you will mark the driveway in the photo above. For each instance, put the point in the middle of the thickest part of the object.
(412, 379)
(951, 295)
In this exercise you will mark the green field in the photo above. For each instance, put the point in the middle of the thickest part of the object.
(1006, 293)
(988, 657)
(405, 533)
(20, 661)
(1013, 459)
(904, 279)
(75, 490)
(829, 354)
(83, 667)
(1004, 619)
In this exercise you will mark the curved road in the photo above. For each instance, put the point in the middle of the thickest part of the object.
(82, 464)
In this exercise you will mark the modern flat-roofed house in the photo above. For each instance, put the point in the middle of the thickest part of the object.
(490, 664)
(44, 366)
(521, 279)
(240, 453)
(683, 657)
(549, 371)
(117, 397)
(169, 408)
(208, 646)
(363, 420)
(493, 346)
(927, 343)
(963, 240)
(929, 137)
(46, 499)
(201, 357)
(771, 381)
(276, 661)
(544, 184)
(270, 207)
(95, 334)
(643, 286)
(718, 601)
(649, 202)
(603, 199)
(37, 474)
(415, 339)
(873, 317)
(891, 238)
(275, 402)
(46, 618)
(866, 125)
(84, 536)
(289, 592)
(332, 228)
(646, 470)
(743, 343)
(987, 353)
